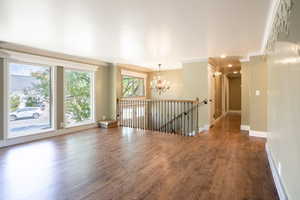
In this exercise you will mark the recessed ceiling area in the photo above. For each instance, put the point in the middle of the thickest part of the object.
(230, 65)
(139, 32)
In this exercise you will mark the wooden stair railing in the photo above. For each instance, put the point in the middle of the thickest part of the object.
(180, 117)
(169, 116)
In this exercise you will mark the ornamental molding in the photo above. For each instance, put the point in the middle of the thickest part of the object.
(280, 22)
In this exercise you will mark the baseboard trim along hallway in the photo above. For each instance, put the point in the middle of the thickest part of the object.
(275, 173)
(261, 134)
(245, 128)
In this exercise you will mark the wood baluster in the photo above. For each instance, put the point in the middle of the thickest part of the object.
(158, 112)
(174, 115)
(161, 115)
(151, 115)
(127, 114)
(139, 114)
(192, 120)
(167, 118)
(155, 115)
(197, 110)
(182, 119)
(135, 114)
(189, 124)
(132, 113)
(144, 115)
(120, 112)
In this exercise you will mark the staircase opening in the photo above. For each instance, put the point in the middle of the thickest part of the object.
(168, 116)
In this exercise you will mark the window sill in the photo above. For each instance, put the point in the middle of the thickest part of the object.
(32, 133)
(86, 123)
(45, 134)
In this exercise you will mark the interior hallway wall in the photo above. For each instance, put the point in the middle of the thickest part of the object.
(218, 96)
(235, 93)
(258, 97)
(195, 81)
(245, 107)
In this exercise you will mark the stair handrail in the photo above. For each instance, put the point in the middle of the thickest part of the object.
(205, 101)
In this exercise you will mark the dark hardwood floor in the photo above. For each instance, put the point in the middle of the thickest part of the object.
(224, 164)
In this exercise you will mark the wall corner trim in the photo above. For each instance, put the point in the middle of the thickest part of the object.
(245, 127)
(261, 134)
(277, 179)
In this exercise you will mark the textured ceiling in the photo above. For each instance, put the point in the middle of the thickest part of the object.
(139, 32)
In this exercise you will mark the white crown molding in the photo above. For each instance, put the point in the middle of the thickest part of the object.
(276, 176)
(269, 25)
(244, 60)
(193, 60)
(278, 22)
(253, 54)
(247, 58)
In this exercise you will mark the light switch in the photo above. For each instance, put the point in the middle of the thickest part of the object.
(257, 92)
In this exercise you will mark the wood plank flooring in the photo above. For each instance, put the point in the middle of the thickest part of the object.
(223, 164)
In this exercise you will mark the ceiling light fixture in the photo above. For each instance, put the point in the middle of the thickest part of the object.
(159, 85)
(230, 65)
(235, 72)
(223, 56)
(218, 73)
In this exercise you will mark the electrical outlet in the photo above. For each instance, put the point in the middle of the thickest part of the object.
(257, 92)
(62, 124)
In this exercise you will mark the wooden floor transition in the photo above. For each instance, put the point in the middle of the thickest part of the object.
(223, 164)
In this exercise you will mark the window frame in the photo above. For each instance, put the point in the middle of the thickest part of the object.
(53, 100)
(138, 75)
(93, 100)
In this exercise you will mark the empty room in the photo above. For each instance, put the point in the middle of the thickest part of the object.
(152, 100)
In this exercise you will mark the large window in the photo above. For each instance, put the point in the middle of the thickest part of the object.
(133, 86)
(30, 99)
(78, 97)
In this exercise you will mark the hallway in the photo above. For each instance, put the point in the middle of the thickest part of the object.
(224, 164)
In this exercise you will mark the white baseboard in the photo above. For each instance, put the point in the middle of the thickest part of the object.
(245, 127)
(206, 127)
(30, 138)
(277, 179)
(258, 134)
(234, 111)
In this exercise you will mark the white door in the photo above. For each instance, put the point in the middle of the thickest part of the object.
(211, 90)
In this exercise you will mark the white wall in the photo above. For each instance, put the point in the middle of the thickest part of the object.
(283, 115)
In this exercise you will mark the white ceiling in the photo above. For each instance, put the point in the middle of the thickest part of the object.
(141, 32)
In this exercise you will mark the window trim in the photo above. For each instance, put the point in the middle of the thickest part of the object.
(53, 100)
(134, 74)
(93, 100)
